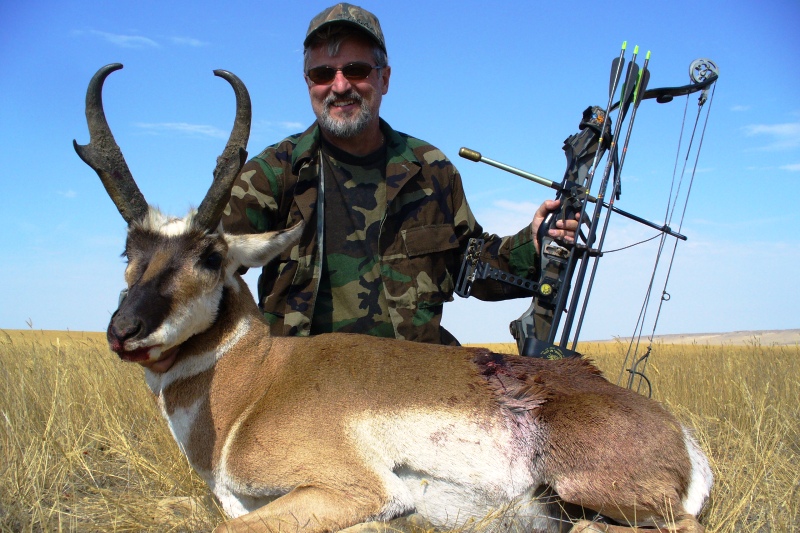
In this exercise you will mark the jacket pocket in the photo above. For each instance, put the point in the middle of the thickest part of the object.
(431, 250)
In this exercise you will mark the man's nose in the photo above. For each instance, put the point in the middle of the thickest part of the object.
(340, 83)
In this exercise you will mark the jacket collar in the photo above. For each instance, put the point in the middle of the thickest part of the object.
(398, 150)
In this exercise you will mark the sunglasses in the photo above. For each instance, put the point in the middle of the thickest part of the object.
(324, 75)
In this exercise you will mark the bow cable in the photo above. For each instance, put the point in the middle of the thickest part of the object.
(638, 365)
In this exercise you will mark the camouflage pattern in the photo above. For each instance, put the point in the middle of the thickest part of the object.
(424, 231)
(350, 15)
(351, 298)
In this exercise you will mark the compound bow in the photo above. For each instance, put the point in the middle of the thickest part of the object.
(563, 266)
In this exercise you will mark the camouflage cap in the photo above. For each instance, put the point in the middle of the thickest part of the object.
(351, 15)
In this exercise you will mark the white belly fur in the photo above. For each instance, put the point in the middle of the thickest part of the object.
(452, 471)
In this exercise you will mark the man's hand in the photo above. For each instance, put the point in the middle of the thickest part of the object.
(564, 231)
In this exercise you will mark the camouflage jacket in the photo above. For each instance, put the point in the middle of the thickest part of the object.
(423, 236)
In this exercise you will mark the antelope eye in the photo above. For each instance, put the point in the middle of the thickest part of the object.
(212, 261)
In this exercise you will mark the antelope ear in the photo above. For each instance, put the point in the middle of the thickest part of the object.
(258, 249)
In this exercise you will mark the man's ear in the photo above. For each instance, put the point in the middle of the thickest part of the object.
(386, 73)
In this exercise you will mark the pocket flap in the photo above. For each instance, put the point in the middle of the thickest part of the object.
(429, 239)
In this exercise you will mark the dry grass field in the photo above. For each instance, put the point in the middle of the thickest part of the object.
(83, 448)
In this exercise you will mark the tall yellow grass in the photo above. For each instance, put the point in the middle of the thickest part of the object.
(83, 448)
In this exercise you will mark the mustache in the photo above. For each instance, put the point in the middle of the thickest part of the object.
(349, 95)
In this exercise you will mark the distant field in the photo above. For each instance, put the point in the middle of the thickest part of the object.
(773, 337)
(38, 337)
(83, 448)
(770, 337)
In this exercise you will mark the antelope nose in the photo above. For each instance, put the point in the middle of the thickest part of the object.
(120, 329)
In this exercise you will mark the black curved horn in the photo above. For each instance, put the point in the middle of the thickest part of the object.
(104, 156)
(230, 162)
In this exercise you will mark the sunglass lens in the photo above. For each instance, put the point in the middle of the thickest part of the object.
(356, 71)
(322, 75)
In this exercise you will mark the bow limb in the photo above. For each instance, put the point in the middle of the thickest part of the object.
(703, 72)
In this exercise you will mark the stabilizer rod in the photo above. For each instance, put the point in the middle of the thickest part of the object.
(477, 157)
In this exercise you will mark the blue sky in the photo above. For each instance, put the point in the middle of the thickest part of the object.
(509, 79)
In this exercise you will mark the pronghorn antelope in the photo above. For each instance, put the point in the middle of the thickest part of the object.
(323, 433)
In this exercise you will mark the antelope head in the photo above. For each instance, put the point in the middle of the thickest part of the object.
(178, 268)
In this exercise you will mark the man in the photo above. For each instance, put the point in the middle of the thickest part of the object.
(386, 219)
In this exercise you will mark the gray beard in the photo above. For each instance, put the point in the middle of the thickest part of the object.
(349, 127)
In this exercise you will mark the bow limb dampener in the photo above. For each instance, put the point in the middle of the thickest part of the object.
(561, 290)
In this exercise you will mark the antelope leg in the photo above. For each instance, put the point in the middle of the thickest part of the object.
(309, 509)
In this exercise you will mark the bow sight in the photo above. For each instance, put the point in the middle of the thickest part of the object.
(563, 266)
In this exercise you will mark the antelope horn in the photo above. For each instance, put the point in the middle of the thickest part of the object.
(104, 156)
(230, 162)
